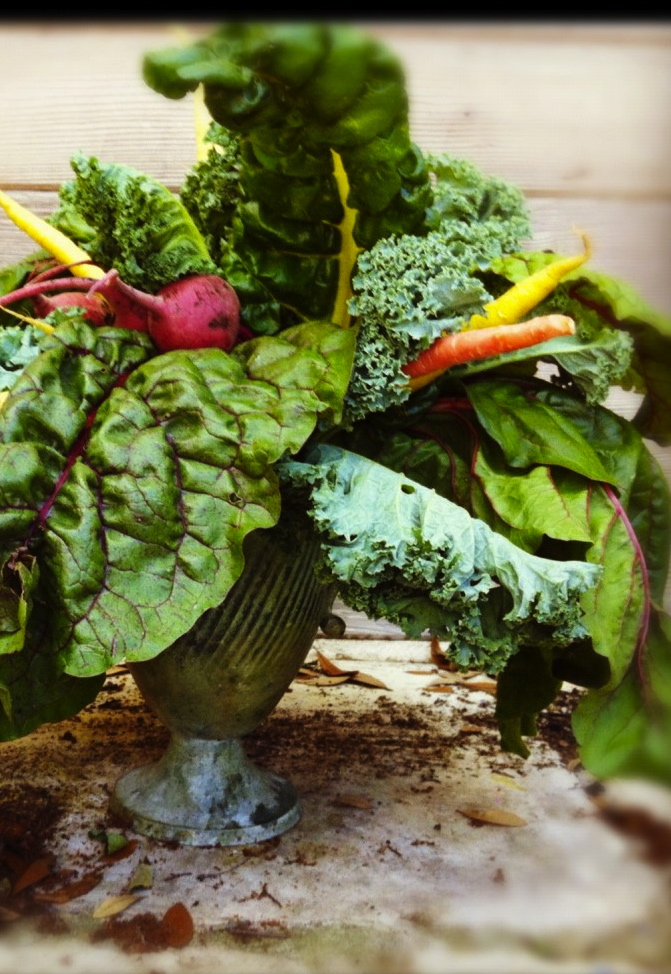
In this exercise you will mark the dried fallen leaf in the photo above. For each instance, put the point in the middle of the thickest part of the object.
(327, 681)
(176, 928)
(142, 878)
(485, 686)
(34, 873)
(440, 687)
(508, 782)
(330, 668)
(365, 679)
(354, 801)
(470, 729)
(7, 916)
(493, 816)
(113, 905)
(80, 887)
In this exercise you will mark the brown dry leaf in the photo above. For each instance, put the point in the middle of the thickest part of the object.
(7, 916)
(328, 681)
(80, 887)
(176, 929)
(440, 687)
(354, 801)
(438, 656)
(113, 905)
(369, 681)
(485, 686)
(470, 729)
(117, 669)
(34, 873)
(493, 816)
(421, 672)
(330, 668)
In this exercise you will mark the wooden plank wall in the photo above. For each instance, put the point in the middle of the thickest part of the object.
(577, 114)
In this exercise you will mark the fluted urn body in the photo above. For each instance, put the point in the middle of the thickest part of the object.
(217, 683)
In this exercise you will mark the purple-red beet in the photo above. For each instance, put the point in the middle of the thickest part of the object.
(200, 311)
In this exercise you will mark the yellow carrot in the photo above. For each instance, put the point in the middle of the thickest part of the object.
(51, 239)
(30, 321)
(523, 297)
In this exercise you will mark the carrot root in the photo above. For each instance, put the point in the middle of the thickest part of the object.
(51, 239)
(469, 346)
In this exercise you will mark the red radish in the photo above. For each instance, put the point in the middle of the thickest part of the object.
(200, 311)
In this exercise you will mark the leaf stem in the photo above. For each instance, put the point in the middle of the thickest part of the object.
(348, 248)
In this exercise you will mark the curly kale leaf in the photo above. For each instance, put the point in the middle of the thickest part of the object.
(399, 551)
(408, 290)
(19, 345)
(129, 221)
(495, 211)
(211, 190)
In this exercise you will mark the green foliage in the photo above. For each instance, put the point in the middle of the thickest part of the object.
(127, 220)
(398, 550)
(501, 507)
(409, 289)
(295, 95)
(129, 483)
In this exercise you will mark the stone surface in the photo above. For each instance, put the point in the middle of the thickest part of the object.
(387, 871)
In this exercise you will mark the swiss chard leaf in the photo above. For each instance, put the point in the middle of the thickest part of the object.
(529, 432)
(624, 729)
(132, 480)
(326, 164)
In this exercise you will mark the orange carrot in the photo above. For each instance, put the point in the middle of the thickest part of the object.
(481, 343)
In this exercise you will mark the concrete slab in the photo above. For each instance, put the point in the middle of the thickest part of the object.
(385, 871)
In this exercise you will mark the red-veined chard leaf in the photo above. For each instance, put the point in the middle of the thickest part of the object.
(529, 432)
(624, 729)
(132, 479)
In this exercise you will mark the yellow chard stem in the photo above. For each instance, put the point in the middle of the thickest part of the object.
(348, 249)
(523, 297)
(51, 239)
(201, 116)
(202, 119)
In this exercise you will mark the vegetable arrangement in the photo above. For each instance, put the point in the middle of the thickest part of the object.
(327, 317)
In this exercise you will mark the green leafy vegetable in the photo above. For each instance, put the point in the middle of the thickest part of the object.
(132, 480)
(321, 114)
(399, 551)
(501, 506)
(132, 223)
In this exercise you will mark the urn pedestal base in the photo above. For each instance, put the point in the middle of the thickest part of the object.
(206, 793)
